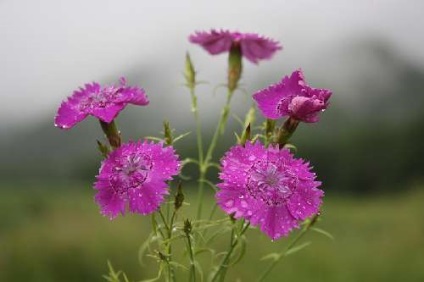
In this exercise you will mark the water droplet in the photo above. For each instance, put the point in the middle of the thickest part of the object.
(243, 204)
(229, 203)
(252, 158)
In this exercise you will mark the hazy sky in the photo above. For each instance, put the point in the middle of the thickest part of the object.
(50, 47)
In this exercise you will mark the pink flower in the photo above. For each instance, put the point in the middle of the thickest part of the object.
(134, 177)
(268, 187)
(253, 46)
(105, 103)
(292, 97)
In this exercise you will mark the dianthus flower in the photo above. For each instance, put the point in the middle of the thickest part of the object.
(253, 46)
(268, 187)
(102, 102)
(134, 177)
(294, 98)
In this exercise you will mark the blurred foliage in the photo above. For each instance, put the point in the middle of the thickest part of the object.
(54, 232)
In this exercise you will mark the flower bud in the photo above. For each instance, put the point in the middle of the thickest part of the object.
(167, 131)
(187, 227)
(189, 72)
(245, 136)
(179, 197)
(234, 66)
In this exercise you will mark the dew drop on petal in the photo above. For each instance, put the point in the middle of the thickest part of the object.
(229, 203)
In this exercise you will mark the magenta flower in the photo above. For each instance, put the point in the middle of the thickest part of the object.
(105, 103)
(268, 187)
(253, 46)
(134, 177)
(292, 97)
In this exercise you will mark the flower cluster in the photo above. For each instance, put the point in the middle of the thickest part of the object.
(253, 46)
(268, 187)
(105, 103)
(265, 185)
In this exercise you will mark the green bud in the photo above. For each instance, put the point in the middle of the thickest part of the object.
(187, 227)
(234, 66)
(250, 116)
(179, 197)
(104, 149)
(167, 133)
(189, 72)
(245, 136)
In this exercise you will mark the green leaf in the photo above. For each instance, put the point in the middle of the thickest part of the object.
(296, 249)
(181, 136)
(145, 247)
(153, 138)
(241, 253)
(323, 232)
(272, 256)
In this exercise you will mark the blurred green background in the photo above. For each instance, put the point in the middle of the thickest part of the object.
(367, 149)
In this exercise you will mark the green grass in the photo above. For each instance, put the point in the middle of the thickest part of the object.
(56, 234)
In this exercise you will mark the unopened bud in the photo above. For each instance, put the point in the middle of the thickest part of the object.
(245, 136)
(234, 66)
(179, 197)
(189, 72)
(187, 227)
(167, 131)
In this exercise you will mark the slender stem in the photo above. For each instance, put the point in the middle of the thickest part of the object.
(200, 197)
(224, 264)
(192, 277)
(204, 163)
(284, 133)
(220, 127)
(195, 111)
(287, 249)
(112, 133)
(168, 246)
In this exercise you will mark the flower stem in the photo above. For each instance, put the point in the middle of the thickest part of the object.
(284, 133)
(299, 236)
(195, 110)
(168, 245)
(192, 275)
(112, 133)
(222, 270)
(204, 164)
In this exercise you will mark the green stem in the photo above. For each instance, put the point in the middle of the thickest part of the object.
(222, 270)
(284, 133)
(168, 246)
(112, 133)
(204, 163)
(192, 277)
(200, 197)
(220, 127)
(195, 111)
(287, 249)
